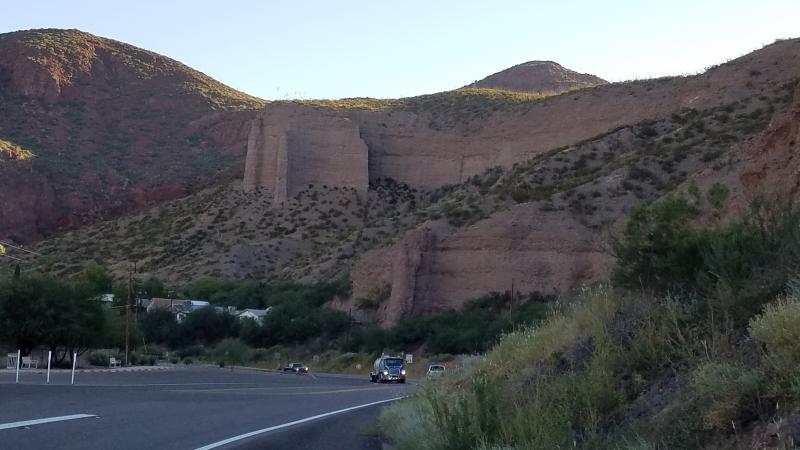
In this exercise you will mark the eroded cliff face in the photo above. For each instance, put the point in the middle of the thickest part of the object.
(772, 162)
(305, 148)
(435, 267)
(426, 148)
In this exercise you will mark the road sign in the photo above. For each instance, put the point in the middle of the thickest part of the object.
(409, 358)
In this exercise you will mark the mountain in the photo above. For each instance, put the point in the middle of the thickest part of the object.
(109, 128)
(538, 76)
(423, 202)
(430, 201)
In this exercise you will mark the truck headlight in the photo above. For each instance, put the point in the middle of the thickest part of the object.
(403, 372)
(386, 372)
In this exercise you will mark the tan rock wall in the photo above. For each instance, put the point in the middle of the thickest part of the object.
(436, 268)
(290, 149)
(417, 149)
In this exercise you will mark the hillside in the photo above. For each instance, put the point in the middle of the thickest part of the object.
(99, 115)
(541, 224)
(538, 76)
(416, 237)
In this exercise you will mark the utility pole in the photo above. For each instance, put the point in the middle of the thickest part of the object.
(136, 303)
(511, 301)
(128, 315)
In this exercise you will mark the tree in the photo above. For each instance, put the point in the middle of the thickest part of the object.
(207, 325)
(160, 326)
(94, 280)
(42, 310)
(659, 249)
(24, 315)
(153, 287)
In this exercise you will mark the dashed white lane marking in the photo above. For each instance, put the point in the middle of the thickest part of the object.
(291, 424)
(28, 423)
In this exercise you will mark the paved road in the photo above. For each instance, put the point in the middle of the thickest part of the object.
(189, 408)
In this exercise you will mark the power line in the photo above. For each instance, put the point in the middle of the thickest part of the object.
(20, 248)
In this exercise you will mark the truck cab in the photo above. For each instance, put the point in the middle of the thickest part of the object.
(387, 369)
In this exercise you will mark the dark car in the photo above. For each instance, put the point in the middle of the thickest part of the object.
(296, 368)
(387, 369)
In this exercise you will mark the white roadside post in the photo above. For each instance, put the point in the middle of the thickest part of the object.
(74, 359)
(49, 354)
(18, 355)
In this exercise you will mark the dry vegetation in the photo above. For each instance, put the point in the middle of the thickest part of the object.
(70, 50)
(13, 152)
(224, 231)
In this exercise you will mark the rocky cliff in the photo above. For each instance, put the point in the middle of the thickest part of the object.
(434, 268)
(308, 148)
(772, 162)
(538, 76)
(101, 116)
(444, 139)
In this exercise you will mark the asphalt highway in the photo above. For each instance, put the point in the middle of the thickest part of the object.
(192, 408)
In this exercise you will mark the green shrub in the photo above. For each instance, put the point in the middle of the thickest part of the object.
(778, 328)
(727, 393)
(231, 351)
(737, 266)
(659, 250)
(194, 350)
(99, 358)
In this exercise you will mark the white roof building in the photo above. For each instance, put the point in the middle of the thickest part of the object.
(253, 314)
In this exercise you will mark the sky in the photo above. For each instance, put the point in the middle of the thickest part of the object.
(335, 49)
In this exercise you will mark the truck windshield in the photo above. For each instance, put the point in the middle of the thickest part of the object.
(393, 362)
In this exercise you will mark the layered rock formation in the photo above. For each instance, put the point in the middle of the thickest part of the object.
(435, 268)
(306, 149)
(538, 76)
(407, 142)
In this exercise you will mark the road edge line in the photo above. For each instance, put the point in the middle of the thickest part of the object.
(28, 423)
(291, 424)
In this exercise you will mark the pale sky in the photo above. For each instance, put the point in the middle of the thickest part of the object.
(333, 49)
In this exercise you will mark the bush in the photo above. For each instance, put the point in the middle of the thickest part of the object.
(194, 350)
(778, 328)
(737, 267)
(727, 393)
(231, 351)
(659, 250)
(259, 354)
(99, 358)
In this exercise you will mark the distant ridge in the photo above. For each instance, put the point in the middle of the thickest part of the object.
(538, 76)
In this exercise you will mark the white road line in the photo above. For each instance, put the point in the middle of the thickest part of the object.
(27, 423)
(291, 424)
